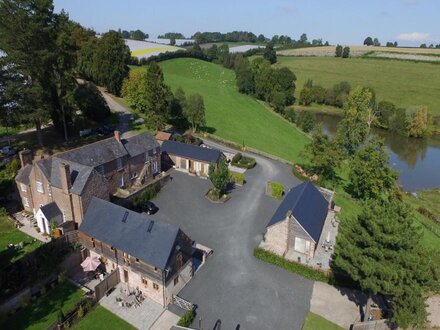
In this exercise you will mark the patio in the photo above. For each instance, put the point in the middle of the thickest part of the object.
(141, 314)
(28, 225)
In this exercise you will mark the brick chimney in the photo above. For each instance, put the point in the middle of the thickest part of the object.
(25, 157)
(118, 136)
(66, 184)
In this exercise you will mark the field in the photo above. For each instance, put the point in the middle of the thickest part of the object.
(101, 318)
(231, 115)
(44, 312)
(314, 321)
(401, 82)
(356, 51)
(146, 49)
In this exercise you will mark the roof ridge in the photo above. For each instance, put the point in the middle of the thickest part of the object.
(83, 146)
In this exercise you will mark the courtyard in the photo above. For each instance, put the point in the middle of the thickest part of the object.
(233, 285)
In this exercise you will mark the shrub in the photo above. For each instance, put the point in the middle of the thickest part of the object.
(146, 195)
(187, 318)
(80, 313)
(277, 190)
(291, 266)
(290, 114)
(237, 178)
(62, 277)
(305, 121)
(243, 161)
(237, 157)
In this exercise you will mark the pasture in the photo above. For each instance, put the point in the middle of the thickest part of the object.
(404, 83)
(231, 115)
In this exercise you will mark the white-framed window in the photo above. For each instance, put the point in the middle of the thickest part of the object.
(23, 187)
(119, 163)
(25, 201)
(198, 166)
(49, 190)
(134, 175)
(40, 188)
(154, 167)
(302, 245)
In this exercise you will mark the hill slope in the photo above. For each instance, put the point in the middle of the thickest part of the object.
(234, 116)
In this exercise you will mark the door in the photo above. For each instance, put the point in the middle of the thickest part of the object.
(125, 276)
(121, 181)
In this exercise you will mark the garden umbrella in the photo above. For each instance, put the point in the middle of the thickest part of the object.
(90, 264)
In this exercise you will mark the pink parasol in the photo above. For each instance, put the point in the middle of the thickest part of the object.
(90, 264)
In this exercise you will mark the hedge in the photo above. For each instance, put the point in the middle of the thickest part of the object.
(146, 195)
(237, 178)
(187, 318)
(291, 266)
(242, 161)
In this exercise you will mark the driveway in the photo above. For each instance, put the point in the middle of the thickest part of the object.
(233, 286)
(123, 113)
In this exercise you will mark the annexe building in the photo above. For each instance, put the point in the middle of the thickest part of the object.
(152, 256)
(297, 225)
(72, 178)
(190, 158)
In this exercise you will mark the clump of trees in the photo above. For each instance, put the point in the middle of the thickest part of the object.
(334, 96)
(171, 35)
(371, 42)
(343, 52)
(391, 44)
(135, 35)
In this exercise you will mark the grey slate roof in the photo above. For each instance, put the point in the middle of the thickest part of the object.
(96, 153)
(190, 151)
(138, 144)
(308, 206)
(51, 211)
(23, 174)
(104, 221)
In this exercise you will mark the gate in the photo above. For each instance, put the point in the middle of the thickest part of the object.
(182, 303)
(109, 282)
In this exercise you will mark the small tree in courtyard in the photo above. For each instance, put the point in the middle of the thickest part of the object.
(219, 176)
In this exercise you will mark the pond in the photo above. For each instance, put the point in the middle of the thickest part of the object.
(417, 160)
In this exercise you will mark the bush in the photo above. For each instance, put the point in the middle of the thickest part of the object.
(187, 318)
(242, 161)
(277, 190)
(305, 121)
(80, 313)
(146, 195)
(237, 178)
(291, 266)
(62, 277)
(289, 114)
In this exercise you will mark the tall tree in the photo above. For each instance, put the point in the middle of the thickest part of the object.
(110, 62)
(338, 51)
(419, 126)
(270, 53)
(195, 111)
(368, 41)
(219, 176)
(380, 250)
(353, 129)
(346, 52)
(370, 175)
(376, 42)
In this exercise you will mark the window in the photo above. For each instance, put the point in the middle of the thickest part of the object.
(23, 187)
(156, 269)
(144, 281)
(137, 260)
(25, 201)
(40, 187)
(155, 286)
(302, 245)
(100, 169)
(49, 191)
(176, 280)
(119, 163)
(112, 248)
(93, 242)
(154, 167)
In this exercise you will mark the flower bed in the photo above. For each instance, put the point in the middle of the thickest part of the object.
(242, 161)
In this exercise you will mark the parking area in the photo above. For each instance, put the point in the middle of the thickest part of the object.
(233, 285)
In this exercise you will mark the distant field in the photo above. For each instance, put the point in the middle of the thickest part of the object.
(401, 82)
(146, 49)
(356, 51)
(231, 115)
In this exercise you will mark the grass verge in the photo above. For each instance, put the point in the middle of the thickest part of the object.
(102, 319)
(314, 322)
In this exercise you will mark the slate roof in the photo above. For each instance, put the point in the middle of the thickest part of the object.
(51, 211)
(308, 206)
(96, 153)
(104, 221)
(140, 143)
(192, 152)
(23, 174)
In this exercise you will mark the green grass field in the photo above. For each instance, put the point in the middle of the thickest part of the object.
(404, 83)
(231, 115)
(314, 322)
(44, 311)
(10, 235)
(101, 318)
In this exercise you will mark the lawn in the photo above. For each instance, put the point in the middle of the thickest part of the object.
(9, 234)
(44, 311)
(101, 318)
(404, 83)
(231, 115)
(314, 322)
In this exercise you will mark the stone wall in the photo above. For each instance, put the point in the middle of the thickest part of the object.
(276, 238)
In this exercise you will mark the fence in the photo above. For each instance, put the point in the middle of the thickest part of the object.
(87, 305)
(108, 283)
(373, 325)
(182, 303)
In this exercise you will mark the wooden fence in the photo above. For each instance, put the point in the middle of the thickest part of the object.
(109, 282)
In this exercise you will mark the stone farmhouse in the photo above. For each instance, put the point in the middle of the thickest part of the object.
(190, 158)
(296, 228)
(151, 256)
(71, 178)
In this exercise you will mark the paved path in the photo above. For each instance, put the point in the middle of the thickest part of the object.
(233, 285)
(123, 113)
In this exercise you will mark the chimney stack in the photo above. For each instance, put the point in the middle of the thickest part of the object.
(118, 136)
(66, 183)
(25, 157)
